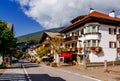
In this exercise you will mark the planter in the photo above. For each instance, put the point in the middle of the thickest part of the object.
(80, 48)
(53, 64)
(96, 50)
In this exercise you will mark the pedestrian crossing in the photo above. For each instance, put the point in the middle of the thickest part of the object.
(13, 74)
(15, 78)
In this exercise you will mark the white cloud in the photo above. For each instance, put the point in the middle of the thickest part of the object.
(56, 13)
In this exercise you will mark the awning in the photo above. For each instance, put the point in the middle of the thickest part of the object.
(66, 54)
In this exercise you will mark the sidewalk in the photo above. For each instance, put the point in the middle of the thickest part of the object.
(13, 74)
(113, 73)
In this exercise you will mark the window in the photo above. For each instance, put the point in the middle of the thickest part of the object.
(119, 44)
(82, 31)
(72, 34)
(88, 29)
(112, 44)
(88, 43)
(112, 31)
(119, 31)
(93, 42)
(77, 33)
(92, 29)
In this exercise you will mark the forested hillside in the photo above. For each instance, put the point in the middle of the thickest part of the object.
(35, 36)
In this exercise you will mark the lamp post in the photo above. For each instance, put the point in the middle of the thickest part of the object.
(84, 55)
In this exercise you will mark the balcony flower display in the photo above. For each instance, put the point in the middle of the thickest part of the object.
(81, 48)
(88, 50)
(96, 50)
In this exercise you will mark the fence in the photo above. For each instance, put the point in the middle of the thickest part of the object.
(98, 64)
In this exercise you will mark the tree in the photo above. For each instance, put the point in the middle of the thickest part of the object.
(7, 40)
(18, 54)
(56, 47)
(41, 51)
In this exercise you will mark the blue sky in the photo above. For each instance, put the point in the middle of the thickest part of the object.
(29, 16)
(12, 13)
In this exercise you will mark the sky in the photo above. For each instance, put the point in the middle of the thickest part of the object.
(29, 16)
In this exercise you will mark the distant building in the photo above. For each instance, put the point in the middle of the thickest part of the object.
(96, 34)
(46, 36)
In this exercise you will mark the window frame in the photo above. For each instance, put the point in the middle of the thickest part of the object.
(112, 44)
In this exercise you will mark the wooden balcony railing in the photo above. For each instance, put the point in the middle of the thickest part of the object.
(71, 38)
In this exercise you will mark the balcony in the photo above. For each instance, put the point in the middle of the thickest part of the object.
(93, 35)
(72, 38)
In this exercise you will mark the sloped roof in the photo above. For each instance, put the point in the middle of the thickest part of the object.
(94, 15)
(52, 35)
(77, 18)
(49, 34)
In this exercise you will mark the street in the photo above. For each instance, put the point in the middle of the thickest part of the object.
(27, 71)
(39, 72)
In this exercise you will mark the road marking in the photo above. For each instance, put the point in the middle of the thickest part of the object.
(26, 73)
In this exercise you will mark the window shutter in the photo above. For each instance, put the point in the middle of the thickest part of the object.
(82, 31)
(119, 31)
(109, 44)
(88, 29)
(109, 30)
(77, 33)
(115, 44)
(114, 31)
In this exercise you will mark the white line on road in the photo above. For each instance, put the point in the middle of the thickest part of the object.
(26, 73)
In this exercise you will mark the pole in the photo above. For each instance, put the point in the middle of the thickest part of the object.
(84, 55)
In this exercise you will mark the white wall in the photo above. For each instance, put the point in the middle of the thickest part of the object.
(108, 54)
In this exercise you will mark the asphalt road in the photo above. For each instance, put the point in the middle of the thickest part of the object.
(39, 72)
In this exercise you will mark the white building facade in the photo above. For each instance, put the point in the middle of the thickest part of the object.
(100, 33)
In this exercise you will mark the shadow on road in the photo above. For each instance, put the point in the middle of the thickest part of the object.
(31, 65)
(33, 77)
(44, 77)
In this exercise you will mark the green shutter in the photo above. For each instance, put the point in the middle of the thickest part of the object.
(94, 28)
(88, 29)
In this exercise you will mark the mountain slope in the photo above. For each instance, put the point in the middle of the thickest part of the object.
(36, 36)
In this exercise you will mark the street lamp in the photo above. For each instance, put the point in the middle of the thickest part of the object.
(84, 55)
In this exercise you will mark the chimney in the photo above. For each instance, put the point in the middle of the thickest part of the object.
(91, 10)
(112, 14)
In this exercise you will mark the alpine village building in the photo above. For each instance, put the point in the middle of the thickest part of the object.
(95, 36)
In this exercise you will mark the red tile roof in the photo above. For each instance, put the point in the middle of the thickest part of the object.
(94, 14)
